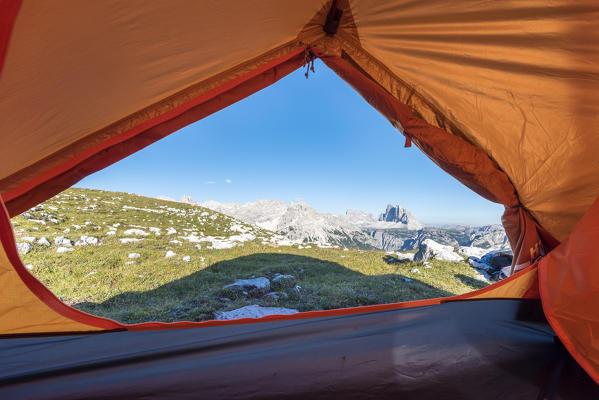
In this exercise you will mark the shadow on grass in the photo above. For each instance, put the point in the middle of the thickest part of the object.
(322, 285)
(473, 283)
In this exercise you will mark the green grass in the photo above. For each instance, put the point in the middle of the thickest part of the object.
(96, 279)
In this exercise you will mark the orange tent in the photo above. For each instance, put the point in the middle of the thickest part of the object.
(502, 95)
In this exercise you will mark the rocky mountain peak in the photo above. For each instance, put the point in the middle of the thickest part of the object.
(398, 214)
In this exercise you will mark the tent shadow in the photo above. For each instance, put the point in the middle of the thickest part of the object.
(473, 283)
(322, 285)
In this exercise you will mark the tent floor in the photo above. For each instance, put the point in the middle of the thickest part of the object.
(491, 349)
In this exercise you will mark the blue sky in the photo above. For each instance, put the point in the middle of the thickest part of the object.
(312, 139)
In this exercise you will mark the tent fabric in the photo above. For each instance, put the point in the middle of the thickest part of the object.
(502, 95)
(467, 163)
(518, 80)
(492, 349)
(569, 283)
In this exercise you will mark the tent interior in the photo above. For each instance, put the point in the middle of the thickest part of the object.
(503, 96)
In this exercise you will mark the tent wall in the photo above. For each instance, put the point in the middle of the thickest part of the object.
(569, 283)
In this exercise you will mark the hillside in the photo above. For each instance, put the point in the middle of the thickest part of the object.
(134, 259)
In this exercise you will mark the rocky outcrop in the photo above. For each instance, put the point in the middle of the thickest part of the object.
(429, 249)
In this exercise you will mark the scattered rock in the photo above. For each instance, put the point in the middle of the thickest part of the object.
(283, 281)
(110, 233)
(129, 240)
(170, 254)
(29, 239)
(129, 262)
(246, 287)
(134, 255)
(415, 270)
(430, 249)
(43, 242)
(271, 296)
(63, 241)
(186, 258)
(64, 249)
(253, 311)
(87, 240)
(24, 248)
(171, 231)
(135, 232)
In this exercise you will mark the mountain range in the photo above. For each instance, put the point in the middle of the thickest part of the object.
(395, 228)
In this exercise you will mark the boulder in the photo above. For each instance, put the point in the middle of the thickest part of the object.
(283, 281)
(253, 311)
(135, 232)
(472, 251)
(24, 248)
(247, 287)
(87, 240)
(63, 241)
(43, 242)
(430, 249)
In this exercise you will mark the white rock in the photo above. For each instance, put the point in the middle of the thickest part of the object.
(253, 311)
(256, 283)
(171, 231)
(170, 254)
(176, 241)
(87, 240)
(404, 257)
(29, 239)
(471, 251)
(129, 240)
(431, 249)
(415, 270)
(129, 262)
(134, 255)
(154, 230)
(110, 233)
(29, 267)
(135, 232)
(63, 241)
(24, 248)
(186, 258)
(64, 249)
(43, 242)
(67, 230)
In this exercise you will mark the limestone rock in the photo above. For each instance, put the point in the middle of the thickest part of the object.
(253, 311)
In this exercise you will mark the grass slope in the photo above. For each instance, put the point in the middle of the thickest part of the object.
(103, 280)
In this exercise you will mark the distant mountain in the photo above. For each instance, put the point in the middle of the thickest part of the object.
(395, 229)
(398, 214)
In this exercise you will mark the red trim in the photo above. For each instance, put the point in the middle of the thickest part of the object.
(7, 240)
(177, 111)
(8, 15)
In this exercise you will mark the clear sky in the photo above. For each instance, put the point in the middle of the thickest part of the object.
(312, 139)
